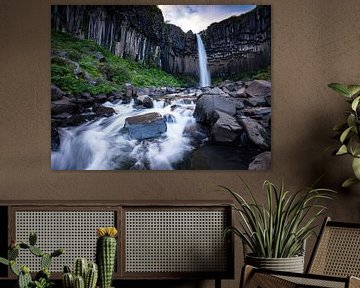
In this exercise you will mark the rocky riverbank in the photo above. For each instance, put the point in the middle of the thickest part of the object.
(233, 115)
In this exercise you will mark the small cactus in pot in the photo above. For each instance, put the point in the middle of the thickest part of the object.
(106, 254)
(85, 275)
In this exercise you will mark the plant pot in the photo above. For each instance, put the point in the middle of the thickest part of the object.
(291, 264)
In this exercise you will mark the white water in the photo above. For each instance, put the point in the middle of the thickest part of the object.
(100, 145)
(203, 68)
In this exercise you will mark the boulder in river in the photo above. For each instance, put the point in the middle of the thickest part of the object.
(56, 93)
(129, 90)
(63, 105)
(145, 126)
(226, 129)
(259, 88)
(145, 101)
(142, 91)
(207, 105)
(101, 98)
(102, 111)
(261, 162)
(256, 132)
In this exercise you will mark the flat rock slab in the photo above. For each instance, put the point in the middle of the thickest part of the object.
(145, 126)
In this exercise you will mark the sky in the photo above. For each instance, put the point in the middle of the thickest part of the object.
(198, 17)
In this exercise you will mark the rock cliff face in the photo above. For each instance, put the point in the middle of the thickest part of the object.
(240, 43)
(237, 44)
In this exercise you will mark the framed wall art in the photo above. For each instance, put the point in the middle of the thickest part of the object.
(160, 87)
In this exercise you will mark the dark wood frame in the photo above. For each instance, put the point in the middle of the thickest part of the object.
(119, 208)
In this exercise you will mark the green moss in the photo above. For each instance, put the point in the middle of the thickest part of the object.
(90, 65)
(109, 75)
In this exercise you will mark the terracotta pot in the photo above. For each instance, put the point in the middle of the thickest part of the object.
(291, 264)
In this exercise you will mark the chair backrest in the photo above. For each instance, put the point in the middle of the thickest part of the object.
(337, 251)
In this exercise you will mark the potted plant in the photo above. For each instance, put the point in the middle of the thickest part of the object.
(276, 233)
(349, 132)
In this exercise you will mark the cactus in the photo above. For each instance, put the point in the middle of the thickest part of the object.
(57, 252)
(24, 280)
(45, 261)
(13, 253)
(67, 269)
(91, 276)
(79, 282)
(87, 272)
(105, 254)
(4, 261)
(68, 280)
(32, 238)
(80, 267)
(23, 273)
(44, 273)
(36, 251)
(24, 246)
(14, 268)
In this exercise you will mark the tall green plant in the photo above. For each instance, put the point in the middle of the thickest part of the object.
(349, 132)
(279, 229)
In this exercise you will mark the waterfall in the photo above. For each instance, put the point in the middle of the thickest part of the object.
(204, 72)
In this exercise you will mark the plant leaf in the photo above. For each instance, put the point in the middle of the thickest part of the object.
(342, 150)
(354, 145)
(349, 182)
(340, 88)
(345, 134)
(351, 120)
(356, 167)
(355, 103)
(4, 261)
(353, 89)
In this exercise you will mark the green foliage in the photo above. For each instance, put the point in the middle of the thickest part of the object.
(349, 131)
(43, 283)
(279, 229)
(108, 75)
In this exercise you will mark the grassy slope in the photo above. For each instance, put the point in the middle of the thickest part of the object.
(108, 75)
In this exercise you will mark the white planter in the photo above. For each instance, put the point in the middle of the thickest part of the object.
(291, 264)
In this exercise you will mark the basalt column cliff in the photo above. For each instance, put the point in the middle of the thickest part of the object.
(240, 43)
(235, 45)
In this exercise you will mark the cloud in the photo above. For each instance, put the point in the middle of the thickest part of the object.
(198, 17)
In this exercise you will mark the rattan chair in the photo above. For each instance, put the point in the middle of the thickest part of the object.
(334, 263)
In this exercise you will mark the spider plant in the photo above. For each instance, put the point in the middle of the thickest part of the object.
(279, 229)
